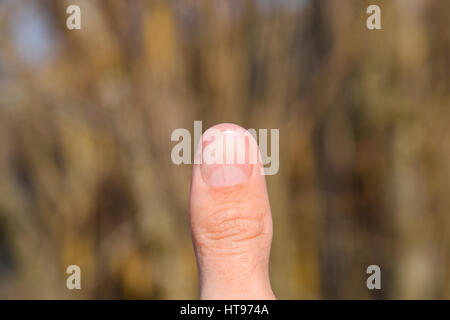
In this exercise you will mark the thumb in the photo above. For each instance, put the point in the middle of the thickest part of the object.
(230, 216)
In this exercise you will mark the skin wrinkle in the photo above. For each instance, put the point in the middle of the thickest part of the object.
(245, 219)
(236, 211)
(234, 220)
(238, 227)
(228, 223)
(233, 193)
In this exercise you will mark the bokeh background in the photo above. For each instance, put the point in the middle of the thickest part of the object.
(86, 117)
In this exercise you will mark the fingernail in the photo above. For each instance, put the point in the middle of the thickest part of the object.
(225, 160)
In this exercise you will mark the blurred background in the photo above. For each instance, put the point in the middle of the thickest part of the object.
(86, 116)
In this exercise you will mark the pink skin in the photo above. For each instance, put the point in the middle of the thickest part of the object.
(231, 224)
